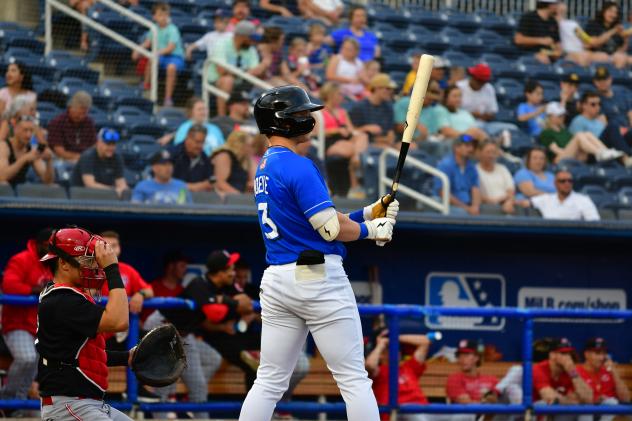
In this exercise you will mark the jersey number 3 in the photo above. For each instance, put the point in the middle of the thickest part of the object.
(273, 234)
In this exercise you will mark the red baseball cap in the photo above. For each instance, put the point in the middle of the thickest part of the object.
(481, 72)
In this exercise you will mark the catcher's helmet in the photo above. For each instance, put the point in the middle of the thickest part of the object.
(76, 246)
(275, 112)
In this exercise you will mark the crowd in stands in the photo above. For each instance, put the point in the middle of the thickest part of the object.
(340, 61)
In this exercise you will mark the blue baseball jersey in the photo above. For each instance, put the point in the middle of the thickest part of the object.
(289, 189)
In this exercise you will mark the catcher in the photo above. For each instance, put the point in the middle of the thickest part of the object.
(73, 362)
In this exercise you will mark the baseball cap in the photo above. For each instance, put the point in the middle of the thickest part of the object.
(555, 108)
(561, 345)
(596, 344)
(238, 96)
(440, 62)
(601, 73)
(382, 80)
(571, 78)
(160, 157)
(220, 260)
(467, 346)
(108, 135)
(247, 29)
(481, 72)
(465, 138)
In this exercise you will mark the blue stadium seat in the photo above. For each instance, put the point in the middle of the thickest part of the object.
(136, 152)
(551, 90)
(394, 62)
(625, 197)
(63, 59)
(23, 55)
(504, 25)
(70, 85)
(115, 88)
(388, 15)
(458, 58)
(431, 20)
(405, 41)
(170, 118)
(489, 37)
(143, 11)
(130, 116)
(43, 71)
(436, 44)
(470, 45)
(82, 72)
(600, 197)
(617, 182)
(149, 129)
(505, 48)
(509, 88)
(101, 118)
(467, 23)
(141, 103)
(581, 180)
(506, 115)
(29, 43)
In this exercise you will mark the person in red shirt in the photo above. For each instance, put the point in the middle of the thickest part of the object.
(23, 275)
(600, 373)
(556, 379)
(169, 284)
(467, 385)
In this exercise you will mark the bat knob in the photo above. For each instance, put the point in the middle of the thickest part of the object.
(434, 336)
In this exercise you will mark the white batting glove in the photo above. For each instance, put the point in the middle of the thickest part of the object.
(380, 229)
(376, 209)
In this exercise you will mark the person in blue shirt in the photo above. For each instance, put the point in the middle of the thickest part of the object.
(305, 288)
(369, 47)
(531, 112)
(197, 112)
(465, 193)
(533, 179)
(169, 49)
(163, 188)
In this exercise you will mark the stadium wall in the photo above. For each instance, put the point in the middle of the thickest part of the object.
(432, 261)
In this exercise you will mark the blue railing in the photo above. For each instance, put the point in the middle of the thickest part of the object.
(394, 313)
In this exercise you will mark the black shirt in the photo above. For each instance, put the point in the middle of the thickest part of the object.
(595, 29)
(238, 177)
(190, 170)
(20, 176)
(105, 170)
(532, 25)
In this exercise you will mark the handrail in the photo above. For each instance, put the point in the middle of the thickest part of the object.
(394, 313)
(385, 181)
(208, 87)
(151, 55)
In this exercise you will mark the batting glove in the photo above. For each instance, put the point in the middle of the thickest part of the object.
(376, 210)
(380, 229)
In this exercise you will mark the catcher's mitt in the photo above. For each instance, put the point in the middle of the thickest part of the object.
(159, 358)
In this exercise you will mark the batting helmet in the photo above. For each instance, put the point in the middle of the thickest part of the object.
(76, 246)
(276, 109)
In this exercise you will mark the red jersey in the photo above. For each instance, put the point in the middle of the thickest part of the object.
(542, 378)
(23, 272)
(131, 279)
(601, 383)
(409, 390)
(474, 386)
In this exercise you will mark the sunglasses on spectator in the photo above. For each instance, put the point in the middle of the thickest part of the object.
(26, 117)
(564, 180)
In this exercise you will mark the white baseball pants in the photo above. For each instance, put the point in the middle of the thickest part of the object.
(296, 300)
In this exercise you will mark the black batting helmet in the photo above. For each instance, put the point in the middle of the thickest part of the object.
(275, 112)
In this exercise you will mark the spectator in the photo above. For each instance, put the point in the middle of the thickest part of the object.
(468, 385)
(367, 41)
(533, 179)
(271, 51)
(101, 167)
(601, 374)
(575, 41)
(427, 125)
(282, 9)
(197, 112)
(465, 193)
(241, 13)
(454, 121)
(18, 155)
(329, 11)
(569, 97)
(591, 120)
(296, 70)
(608, 35)
(210, 40)
(169, 283)
(24, 105)
(237, 50)
(531, 113)
(232, 165)
(19, 82)
(565, 203)
(556, 379)
(478, 95)
(370, 69)
(238, 115)
(341, 137)
(346, 69)
(73, 131)
(190, 163)
(496, 184)
(440, 74)
(162, 188)
(374, 114)
(318, 51)
(538, 32)
(169, 48)
(82, 6)
(23, 275)
(616, 107)
(409, 81)
(561, 144)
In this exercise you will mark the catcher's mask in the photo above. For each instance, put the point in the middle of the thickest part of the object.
(76, 246)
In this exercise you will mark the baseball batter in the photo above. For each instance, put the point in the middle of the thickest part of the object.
(305, 288)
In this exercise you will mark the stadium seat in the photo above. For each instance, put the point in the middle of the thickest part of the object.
(81, 72)
(129, 116)
(84, 193)
(148, 129)
(6, 191)
(431, 20)
(625, 214)
(607, 214)
(458, 58)
(23, 55)
(37, 47)
(625, 197)
(63, 59)
(101, 118)
(206, 198)
(617, 182)
(132, 177)
(504, 25)
(467, 23)
(600, 197)
(589, 179)
(115, 88)
(435, 43)
(170, 118)
(70, 85)
(489, 37)
(139, 102)
(386, 14)
(520, 143)
(42, 191)
(506, 115)
(136, 153)
(240, 199)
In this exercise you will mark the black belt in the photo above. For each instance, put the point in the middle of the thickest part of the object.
(310, 257)
(58, 364)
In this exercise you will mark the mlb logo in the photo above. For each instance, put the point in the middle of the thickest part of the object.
(465, 290)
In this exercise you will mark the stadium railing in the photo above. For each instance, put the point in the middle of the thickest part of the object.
(394, 314)
(152, 54)
(385, 182)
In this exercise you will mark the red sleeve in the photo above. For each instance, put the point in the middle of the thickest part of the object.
(416, 367)
(136, 282)
(215, 312)
(54, 132)
(540, 378)
(14, 277)
(454, 387)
